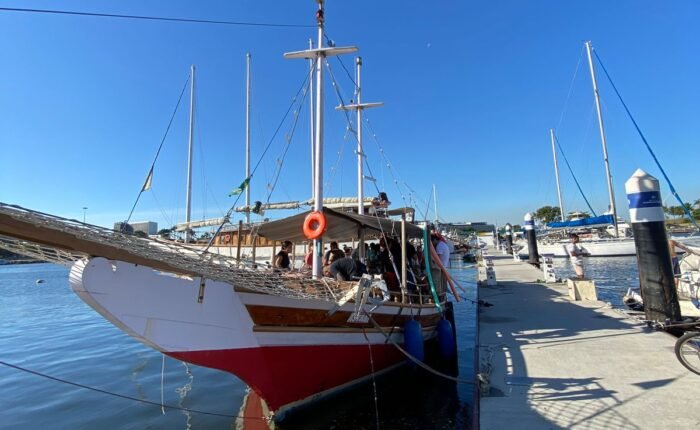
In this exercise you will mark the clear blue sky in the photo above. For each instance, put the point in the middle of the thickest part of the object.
(470, 91)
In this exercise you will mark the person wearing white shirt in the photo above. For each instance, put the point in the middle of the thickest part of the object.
(575, 252)
(442, 250)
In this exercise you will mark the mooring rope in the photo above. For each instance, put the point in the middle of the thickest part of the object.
(374, 382)
(414, 359)
(123, 396)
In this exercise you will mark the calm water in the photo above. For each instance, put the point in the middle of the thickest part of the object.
(612, 275)
(46, 328)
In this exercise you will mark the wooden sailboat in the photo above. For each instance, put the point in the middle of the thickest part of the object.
(291, 338)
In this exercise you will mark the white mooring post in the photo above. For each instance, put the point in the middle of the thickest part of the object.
(548, 268)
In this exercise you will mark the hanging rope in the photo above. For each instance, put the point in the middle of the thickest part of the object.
(121, 396)
(149, 177)
(556, 139)
(644, 139)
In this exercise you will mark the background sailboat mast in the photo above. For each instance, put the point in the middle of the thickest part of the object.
(188, 202)
(556, 174)
(611, 192)
(247, 136)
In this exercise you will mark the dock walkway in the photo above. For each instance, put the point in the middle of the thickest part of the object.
(556, 363)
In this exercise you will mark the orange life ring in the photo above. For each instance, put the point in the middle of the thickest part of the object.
(314, 225)
(226, 239)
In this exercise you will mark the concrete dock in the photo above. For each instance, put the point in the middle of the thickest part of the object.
(556, 363)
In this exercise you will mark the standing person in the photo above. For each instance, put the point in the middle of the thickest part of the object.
(575, 252)
(309, 257)
(282, 258)
(442, 250)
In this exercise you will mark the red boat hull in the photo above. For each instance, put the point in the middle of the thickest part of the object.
(284, 375)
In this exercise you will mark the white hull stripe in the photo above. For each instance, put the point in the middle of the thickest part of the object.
(650, 214)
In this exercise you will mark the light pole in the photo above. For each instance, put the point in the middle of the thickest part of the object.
(84, 212)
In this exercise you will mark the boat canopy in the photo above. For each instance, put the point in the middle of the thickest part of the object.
(341, 226)
(584, 222)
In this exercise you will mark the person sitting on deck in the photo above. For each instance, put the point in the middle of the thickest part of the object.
(345, 269)
(336, 251)
(282, 258)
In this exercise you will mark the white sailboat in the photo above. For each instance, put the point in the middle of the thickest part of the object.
(608, 242)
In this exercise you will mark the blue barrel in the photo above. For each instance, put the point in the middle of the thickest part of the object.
(413, 339)
(446, 340)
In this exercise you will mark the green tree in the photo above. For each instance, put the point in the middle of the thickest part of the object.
(140, 233)
(547, 214)
(165, 233)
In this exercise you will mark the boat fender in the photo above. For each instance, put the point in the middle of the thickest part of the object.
(314, 225)
(413, 339)
(446, 340)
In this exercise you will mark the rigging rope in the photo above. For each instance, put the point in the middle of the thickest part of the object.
(152, 18)
(556, 139)
(149, 177)
(646, 143)
(571, 88)
(227, 217)
(374, 136)
(349, 128)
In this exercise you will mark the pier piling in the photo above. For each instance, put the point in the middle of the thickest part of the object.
(509, 239)
(653, 254)
(529, 225)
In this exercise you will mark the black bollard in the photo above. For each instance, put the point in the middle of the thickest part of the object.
(509, 239)
(653, 254)
(534, 256)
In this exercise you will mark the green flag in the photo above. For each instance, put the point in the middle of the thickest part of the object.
(240, 188)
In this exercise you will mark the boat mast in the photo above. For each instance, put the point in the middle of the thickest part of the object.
(556, 174)
(247, 136)
(359, 107)
(611, 192)
(188, 202)
(311, 116)
(319, 54)
(435, 204)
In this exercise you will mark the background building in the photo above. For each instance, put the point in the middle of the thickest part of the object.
(148, 227)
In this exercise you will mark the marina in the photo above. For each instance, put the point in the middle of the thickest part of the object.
(176, 252)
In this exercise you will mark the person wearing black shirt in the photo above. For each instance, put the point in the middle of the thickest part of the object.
(282, 258)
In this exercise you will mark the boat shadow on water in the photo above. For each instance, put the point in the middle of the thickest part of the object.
(407, 398)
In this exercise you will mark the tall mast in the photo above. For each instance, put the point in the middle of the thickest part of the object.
(247, 136)
(611, 192)
(311, 116)
(556, 174)
(435, 203)
(319, 54)
(188, 202)
(359, 107)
